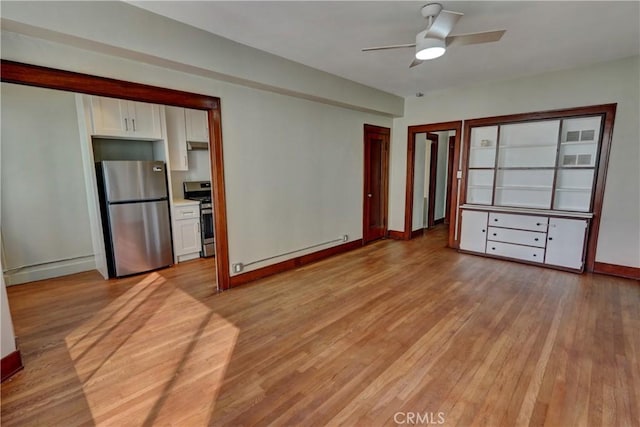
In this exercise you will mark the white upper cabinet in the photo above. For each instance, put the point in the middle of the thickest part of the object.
(119, 118)
(176, 139)
(197, 124)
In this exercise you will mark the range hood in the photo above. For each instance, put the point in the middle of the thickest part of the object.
(191, 146)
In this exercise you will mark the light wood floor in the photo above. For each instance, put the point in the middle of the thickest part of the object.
(376, 336)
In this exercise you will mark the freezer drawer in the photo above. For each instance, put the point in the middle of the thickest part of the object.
(141, 236)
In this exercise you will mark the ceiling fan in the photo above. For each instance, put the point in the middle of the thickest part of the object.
(433, 41)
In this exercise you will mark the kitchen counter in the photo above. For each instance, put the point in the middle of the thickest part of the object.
(184, 202)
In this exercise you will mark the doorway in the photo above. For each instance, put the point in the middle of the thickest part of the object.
(376, 182)
(432, 185)
(32, 75)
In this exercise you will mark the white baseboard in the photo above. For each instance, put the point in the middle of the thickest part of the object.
(50, 270)
(182, 258)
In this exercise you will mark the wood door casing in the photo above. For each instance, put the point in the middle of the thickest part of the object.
(433, 175)
(376, 182)
(411, 146)
(450, 167)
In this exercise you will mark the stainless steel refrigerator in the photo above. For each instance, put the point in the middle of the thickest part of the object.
(135, 215)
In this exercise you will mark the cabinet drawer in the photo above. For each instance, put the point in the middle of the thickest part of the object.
(509, 250)
(187, 212)
(523, 222)
(520, 237)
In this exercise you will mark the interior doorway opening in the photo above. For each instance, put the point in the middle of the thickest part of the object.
(433, 154)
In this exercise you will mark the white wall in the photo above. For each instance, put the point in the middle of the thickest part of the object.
(611, 82)
(7, 340)
(45, 219)
(118, 28)
(293, 167)
(199, 169)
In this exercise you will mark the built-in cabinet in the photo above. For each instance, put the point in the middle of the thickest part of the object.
(541, 239)
(119, 118)
(197, 125)
(546, 164)
(187, 241)
(184, 126)
(530, 183)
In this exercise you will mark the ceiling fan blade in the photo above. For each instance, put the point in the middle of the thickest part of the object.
(474, 38)
(443, 24)
(415, 62)
(393, 46)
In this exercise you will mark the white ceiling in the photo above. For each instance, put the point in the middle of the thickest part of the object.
(541, 36)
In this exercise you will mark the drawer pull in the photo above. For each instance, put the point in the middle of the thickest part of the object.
(538, 224)
(495, 234)
(493, 249)
(535, 255)
(550, 238)
(536, 239)
(495, 219)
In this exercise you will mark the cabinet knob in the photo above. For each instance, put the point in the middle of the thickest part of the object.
(536, 239)
(538, 224)
(535, 255)
(495, 234)
(550, 238)
(495, 219)
(483, 230)
(493, 249)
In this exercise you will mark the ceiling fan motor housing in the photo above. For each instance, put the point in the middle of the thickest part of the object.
(431, 9)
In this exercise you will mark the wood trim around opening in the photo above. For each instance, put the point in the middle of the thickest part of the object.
(607, 111)
(395, 235)
(10, 365)
(433, 179)
(50, 78)
(617, 270)
(411, 145)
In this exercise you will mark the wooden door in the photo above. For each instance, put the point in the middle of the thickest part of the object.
(376, 182)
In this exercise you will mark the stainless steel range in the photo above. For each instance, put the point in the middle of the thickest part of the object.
(201, 191)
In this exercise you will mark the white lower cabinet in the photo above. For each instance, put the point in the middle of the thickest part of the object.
(187, 240)
(474, 231)
(509, 250)
(547, 240)
(565, 242)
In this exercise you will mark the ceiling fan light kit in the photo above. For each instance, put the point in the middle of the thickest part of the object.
(432, 42)
(429, 48)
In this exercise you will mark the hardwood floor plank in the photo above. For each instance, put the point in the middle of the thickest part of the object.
(394, 329)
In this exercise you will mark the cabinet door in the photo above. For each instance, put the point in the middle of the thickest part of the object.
(187, 234)
(197, 125)
(145, 120)
(176, 142)
(110, 117)
(565, 242)
(473, 236)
